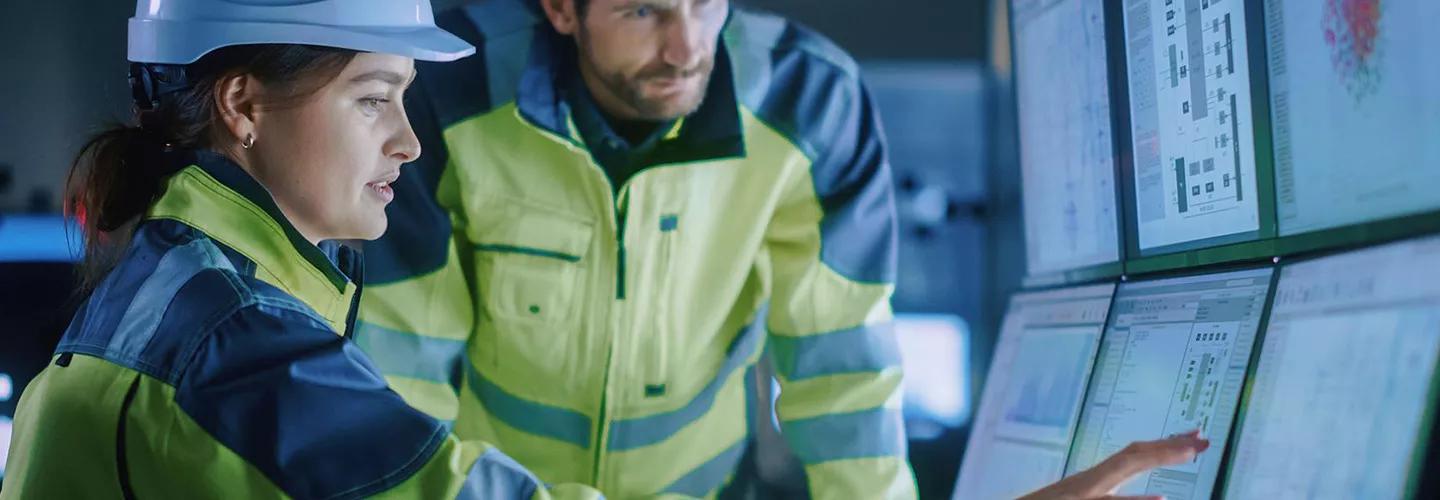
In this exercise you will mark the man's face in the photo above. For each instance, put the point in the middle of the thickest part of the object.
(649, 59)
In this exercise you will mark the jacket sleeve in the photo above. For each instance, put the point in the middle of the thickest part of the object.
(418, 307)
(832, 252)
(308, 410)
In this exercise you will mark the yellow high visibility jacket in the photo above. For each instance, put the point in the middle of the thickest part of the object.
(212, 362)
(607, 335)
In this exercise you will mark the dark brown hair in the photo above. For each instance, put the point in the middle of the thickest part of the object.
(120, 172)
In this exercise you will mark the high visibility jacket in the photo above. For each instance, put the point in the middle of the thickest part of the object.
(607, 334)
(209, 364)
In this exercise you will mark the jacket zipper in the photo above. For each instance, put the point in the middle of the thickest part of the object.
(356, 263)
(618, 211)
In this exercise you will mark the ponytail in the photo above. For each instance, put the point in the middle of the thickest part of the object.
(113, 181)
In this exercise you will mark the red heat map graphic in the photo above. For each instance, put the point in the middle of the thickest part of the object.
(1352, 30)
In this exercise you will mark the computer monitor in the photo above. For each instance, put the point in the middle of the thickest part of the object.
(1191, 123)
(1028, 409)
(1355, 116)
(1337, 407)
(1067, 148)
(1173, 359)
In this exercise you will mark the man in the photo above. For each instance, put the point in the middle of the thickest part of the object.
(621, 204)
(623, 187)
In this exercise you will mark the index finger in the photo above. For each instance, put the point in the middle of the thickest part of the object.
(1145, 455)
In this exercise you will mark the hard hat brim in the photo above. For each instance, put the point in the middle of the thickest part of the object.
(168, 42)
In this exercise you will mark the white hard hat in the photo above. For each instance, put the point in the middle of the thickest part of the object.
(182, 31)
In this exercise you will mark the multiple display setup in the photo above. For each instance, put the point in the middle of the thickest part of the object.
(1259, 178)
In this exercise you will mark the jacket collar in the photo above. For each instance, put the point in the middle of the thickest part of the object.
(713, 131)
(214, 195)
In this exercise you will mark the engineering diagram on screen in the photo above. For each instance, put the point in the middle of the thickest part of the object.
(1190, 97)
(1199, 77)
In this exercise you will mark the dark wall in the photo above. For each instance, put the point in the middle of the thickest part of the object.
(64, 79)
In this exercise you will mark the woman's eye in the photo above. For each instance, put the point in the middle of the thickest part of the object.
(374, 104)
(642, 12)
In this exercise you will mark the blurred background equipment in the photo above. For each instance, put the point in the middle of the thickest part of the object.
(37, 299)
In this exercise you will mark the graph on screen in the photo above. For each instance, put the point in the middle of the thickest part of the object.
(1067, 152)
(1173, 359)
(1046, 394)
(1191, 129)
(1031, 400)
(1355, 115)
(1350, 354)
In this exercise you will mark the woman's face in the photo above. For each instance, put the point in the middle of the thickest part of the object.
(330, 159)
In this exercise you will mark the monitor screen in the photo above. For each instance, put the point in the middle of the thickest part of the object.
(1191, 129)
(1067, 150)
(1031, 399)
(1355, 118)
(1344, 377)
(1173, 359)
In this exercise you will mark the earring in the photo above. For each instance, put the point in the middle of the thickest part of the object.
(249, 141)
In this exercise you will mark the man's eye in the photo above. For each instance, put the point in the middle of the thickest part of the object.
(642, 12)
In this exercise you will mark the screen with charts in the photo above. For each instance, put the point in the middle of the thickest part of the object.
(1173, 359)
(1355, 116)
(1349, 356)
(1067, 150)
(1022, 431)
(1191, 129)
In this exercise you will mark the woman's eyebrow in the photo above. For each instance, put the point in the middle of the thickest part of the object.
(383, 75)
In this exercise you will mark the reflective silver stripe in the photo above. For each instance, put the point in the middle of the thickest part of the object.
(497, 476)
(863, 349)
(153, 298)
(410, 355)
(535, 418)
(871, 433)
(644, 431)
(709, 476)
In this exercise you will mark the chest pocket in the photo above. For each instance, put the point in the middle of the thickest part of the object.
(530, 264)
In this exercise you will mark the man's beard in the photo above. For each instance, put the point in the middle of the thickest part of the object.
(630, 89)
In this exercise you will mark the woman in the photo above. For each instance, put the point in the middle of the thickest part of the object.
(210, 359)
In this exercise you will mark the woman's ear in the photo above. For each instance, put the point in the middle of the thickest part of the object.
(562, 15)
(236, 100)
